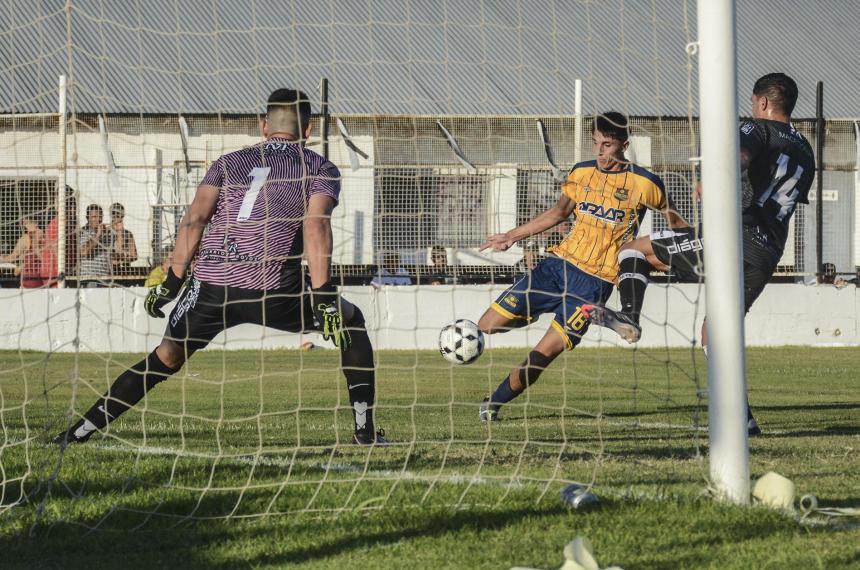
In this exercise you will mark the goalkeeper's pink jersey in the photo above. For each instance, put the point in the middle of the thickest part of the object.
(254, 239)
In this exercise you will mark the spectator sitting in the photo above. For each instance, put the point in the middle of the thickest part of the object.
(439, 266)
(96, 244)
(50, 267)
(27, 254)
(390, 272)
(828, 273)
(124, 249)
(840, 282)
(159, 272)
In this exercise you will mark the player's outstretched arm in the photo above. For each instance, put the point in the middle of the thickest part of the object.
(658, 200)
(675, 219)
(191, 227)
(317, 238)
(187, 239)
(549, 218)
(746, 157)
(318, 248)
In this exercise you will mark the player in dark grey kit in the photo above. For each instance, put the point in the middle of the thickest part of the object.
(777, 166)
(265, 207)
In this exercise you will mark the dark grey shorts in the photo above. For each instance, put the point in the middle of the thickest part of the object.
(683, 250)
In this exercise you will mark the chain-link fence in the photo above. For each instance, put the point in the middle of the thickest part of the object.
(410, 194)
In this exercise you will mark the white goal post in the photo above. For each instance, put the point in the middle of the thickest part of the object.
(62, 212)
(721, 203)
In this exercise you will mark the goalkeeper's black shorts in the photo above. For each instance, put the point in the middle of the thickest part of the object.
(203, 310)
(683, 251)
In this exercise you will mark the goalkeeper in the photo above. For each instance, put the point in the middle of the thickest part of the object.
(265, 206)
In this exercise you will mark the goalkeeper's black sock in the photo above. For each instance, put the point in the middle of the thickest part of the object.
(127, 390)
(357, 364)
(632, 281)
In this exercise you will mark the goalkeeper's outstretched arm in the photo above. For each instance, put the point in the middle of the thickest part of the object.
(553, 216)
(318, 238)
(191, 227)
(187, 239)
(325, 300)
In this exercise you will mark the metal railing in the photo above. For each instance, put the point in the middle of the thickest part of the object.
(414, 192)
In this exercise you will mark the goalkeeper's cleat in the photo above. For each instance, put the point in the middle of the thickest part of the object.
(752, 428)
(489, 412)
(625, 324)
(367, 437)
(78, 433)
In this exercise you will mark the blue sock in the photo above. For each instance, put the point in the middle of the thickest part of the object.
(504, 393)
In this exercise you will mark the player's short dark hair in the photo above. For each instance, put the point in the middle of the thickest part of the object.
(612, 124)
(94, 208)
(291, 99)
(118, 209)
(780, 90)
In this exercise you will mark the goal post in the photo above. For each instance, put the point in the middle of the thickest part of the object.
(721, 204)
(62, 213)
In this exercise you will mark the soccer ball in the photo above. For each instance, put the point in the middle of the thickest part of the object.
(461, 342)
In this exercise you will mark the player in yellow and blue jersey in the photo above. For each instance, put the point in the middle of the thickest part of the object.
(778, 167)
(609, 197)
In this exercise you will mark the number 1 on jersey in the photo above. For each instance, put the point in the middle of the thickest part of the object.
(258, 178)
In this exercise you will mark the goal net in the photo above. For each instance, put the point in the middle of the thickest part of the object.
(434, 125)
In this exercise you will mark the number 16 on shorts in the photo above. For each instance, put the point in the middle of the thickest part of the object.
(577, 320)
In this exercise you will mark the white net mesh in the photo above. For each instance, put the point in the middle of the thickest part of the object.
(255, 426)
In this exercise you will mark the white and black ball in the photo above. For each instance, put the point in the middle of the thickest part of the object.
(461, 342)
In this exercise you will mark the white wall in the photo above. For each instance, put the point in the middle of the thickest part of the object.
(113, 320)
(36, 154)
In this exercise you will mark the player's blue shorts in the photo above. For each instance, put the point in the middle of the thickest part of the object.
(555, 286)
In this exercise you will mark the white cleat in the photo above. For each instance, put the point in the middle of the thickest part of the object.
(622, 323)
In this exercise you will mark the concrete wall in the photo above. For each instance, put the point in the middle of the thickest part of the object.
(113, 320)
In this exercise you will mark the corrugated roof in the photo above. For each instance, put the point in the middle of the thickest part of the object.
(408, 56)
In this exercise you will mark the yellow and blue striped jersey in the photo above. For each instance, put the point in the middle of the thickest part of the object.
(609, 207)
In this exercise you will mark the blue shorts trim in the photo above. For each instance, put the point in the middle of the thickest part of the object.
(559, 287)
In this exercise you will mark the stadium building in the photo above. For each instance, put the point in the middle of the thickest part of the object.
(153, 96)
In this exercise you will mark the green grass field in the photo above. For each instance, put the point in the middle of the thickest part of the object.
(242, 461)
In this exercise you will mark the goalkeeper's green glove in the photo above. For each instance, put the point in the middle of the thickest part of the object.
(328, 316)
(162, 294)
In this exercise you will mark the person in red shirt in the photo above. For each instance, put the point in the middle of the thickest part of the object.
(27, 254)
(50, 270)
